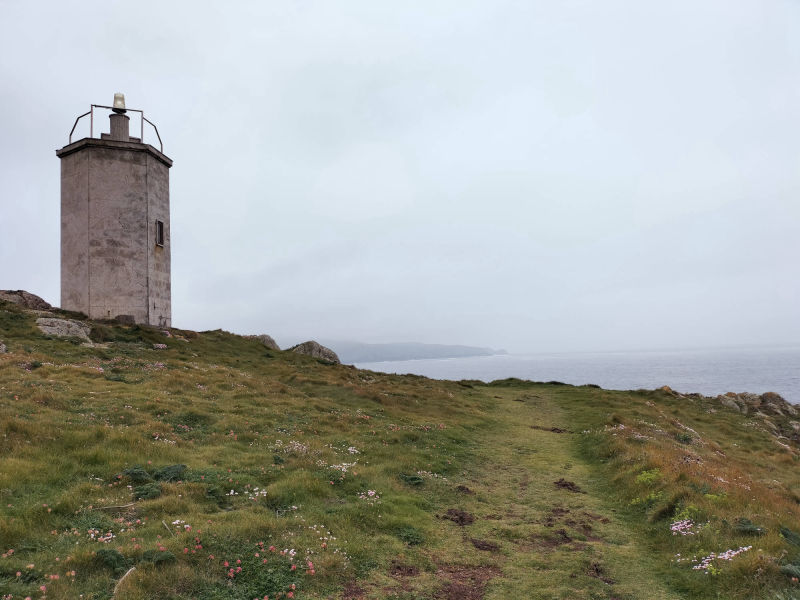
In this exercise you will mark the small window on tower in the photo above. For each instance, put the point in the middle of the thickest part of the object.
(159, 233)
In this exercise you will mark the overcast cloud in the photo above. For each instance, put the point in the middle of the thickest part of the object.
(572, 175)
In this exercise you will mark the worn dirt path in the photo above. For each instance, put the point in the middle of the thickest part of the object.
(536, 498)
(529, 523)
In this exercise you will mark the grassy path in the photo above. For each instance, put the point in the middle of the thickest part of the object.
(531, 538)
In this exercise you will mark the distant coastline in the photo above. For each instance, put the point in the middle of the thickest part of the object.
(350, 352)
(709, 372)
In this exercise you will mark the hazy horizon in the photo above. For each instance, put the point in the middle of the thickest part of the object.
(536, 177)
(784, 345)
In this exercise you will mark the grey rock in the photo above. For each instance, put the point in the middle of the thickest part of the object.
(767, 404)
(316, 350)
(266, 340)
(767, 421)
(3, 348)
(64, 328)
(753, 400)
(24, 299)
(777, 404)
(745, 402)
(771, 425)
(95, 345)
(730, 403)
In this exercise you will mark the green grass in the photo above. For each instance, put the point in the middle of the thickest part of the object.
(216, 450)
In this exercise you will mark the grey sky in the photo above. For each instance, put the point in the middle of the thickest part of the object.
(528, 175)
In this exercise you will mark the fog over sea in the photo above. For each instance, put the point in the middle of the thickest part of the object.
(708, 372)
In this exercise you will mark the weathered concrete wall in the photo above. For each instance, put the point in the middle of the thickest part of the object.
(75, 232)
(117, 233)
(112, 194)
(159, 261)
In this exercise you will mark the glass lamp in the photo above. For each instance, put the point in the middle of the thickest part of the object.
(119, 103)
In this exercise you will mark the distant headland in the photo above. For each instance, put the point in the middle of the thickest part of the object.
(357, 352)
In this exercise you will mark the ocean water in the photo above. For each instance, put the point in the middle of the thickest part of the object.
(708, 372)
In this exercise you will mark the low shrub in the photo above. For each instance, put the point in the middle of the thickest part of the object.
(111, 559)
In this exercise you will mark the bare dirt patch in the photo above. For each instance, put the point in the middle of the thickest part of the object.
(560, 538)
(400, 570)
(352, 591)
(484, 545)
(550, 429)
(568, 485)
(464, 582)
(553, 540)
(459, 517)
(582, 521)
(556, 513)
(599, 518)
(597, 571)
(464, 490)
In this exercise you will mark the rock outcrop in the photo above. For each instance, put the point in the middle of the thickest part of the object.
(64, 328)
(770, 409)
(769, 404)
(266, 340)
(777, 416)
(316, 350)
(24, 299)
(730, 403)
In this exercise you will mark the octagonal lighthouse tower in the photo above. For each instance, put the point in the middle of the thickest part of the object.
(115, 236)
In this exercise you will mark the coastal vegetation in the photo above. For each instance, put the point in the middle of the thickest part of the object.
(177, 465)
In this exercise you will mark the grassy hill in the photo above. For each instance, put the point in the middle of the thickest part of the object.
(213, 468)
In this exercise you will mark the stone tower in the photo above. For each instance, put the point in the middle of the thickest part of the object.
(115, 234)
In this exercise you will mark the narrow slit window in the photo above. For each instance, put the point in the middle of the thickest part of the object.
(159, 233)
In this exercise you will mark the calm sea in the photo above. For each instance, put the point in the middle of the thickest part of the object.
(708, 372)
